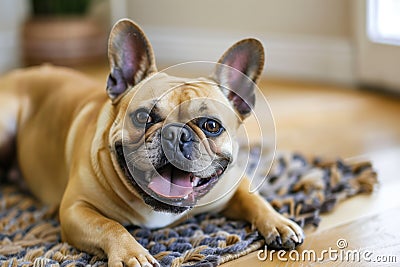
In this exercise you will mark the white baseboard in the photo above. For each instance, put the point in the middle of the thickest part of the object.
(324, 59)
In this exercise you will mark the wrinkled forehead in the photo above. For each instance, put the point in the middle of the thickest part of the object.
(177, 89)
(186, 97)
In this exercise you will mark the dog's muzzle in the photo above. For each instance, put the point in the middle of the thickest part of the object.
(182, 174)
(176, 179)
(177, 143)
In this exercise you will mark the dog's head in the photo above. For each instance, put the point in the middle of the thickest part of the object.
(173, 138)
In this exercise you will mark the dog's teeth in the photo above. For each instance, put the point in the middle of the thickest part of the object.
(148, 176)
(196, 181)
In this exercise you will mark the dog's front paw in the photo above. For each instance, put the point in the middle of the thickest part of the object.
(131, 257)
(280, 232)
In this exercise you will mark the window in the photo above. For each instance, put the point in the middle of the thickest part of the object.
(383, 21)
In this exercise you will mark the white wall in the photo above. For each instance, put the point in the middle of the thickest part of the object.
(377, 64)
(304, 39)
(12, 14)
(309, 17)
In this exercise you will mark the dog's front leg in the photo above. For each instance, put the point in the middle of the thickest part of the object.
(85, 228)
(278, 231)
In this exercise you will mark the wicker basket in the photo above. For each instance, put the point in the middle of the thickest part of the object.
(68, 41)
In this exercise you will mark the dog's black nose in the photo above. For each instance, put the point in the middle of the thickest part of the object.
(178, 137)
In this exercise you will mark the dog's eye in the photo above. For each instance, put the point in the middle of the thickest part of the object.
(141, 117)
(211, 127)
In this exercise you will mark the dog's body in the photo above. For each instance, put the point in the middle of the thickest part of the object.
(69, 141)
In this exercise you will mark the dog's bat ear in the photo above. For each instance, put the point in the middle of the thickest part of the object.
(237, 72)
(131, 58)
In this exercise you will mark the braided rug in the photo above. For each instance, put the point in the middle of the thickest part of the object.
(299, 187)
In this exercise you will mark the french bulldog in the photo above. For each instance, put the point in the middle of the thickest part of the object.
(143, 152)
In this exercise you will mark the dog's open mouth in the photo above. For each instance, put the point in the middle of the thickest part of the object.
(169, 182)
(172, 182)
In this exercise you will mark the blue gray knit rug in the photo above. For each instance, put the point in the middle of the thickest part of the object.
(299, 187)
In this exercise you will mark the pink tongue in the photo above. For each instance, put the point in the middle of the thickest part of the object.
(172, 183)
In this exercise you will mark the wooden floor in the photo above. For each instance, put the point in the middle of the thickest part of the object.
(340, 121)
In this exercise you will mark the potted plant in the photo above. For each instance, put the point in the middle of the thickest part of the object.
(61, 32)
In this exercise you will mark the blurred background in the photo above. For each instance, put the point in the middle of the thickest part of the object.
(332, 72)
(334, 41)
